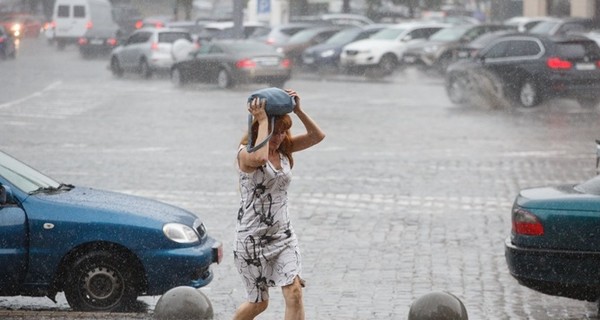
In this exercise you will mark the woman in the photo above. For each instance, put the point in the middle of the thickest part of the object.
(266, 249)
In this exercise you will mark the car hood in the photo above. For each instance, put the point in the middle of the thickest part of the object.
(563, 197)
(99, 202)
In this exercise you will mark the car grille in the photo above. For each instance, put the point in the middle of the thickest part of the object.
(351, 52)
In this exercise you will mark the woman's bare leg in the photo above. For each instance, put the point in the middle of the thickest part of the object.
(248, 311)
(294, 306)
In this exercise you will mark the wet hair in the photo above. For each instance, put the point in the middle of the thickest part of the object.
(282, 123)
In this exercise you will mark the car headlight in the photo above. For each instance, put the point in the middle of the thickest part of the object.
(180, 233)
(430, 49)
(327, 53)
(15, 27)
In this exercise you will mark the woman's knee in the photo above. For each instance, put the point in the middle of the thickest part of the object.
(293, 292)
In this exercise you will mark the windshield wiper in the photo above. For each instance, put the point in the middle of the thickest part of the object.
(61, 187)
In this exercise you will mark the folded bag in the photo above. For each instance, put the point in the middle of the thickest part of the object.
(278, 102)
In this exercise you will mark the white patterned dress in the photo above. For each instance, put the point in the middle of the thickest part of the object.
(265, 249)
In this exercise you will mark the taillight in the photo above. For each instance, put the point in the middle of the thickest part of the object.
(526, 223)
(245, 63)
(558, 63)
(598, 63)
(286, 63)
(159, 25)
(154, 46)
(111, 42)
(270, 41)
(139, 24)
(89, 25)
(82, 41)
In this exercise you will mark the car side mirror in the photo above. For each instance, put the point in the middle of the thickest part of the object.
(5, 195)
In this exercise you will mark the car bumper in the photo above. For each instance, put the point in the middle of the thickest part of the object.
(262, 75)
(181, 267)
(575, 87)
(566, 273)
(160, 62)
(358, 60)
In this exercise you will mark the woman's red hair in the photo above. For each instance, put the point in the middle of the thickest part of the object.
(282, 123)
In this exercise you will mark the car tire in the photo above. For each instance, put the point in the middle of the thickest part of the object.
(115, 67)
(100, 281)
(177, 78)
(443, 63)
(589, 102)
(528, 95)
(224, 80)
(145, 71)
(388, 64)
(456, 88)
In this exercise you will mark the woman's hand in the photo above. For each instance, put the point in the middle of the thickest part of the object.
(296, 98)
(256, 107)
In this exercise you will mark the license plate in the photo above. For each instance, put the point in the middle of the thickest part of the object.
(463, 54)
(585, 66)
(308, 60)
(96, 41)
(410, 59)
(267, 61)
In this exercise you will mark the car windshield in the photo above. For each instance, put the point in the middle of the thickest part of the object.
(24, 177)
(449, 34)
(578, 50)
(170, 37)
(344, 36)
(591, 186)
(544, 27)
(388, 34)
(303, 36)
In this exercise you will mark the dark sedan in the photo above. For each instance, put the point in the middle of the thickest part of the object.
(327, 54)
(98, 41)
(554, 246)
(231, 62)
(299, 42)
(531, 68)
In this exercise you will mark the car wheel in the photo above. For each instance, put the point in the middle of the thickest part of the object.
(145, 71)
(442, 63)
(100, 281)
(177, 78)
(388, 64)
(224, 79)
(456, 88)
(528, 94)
(115, 67)
(589, 102)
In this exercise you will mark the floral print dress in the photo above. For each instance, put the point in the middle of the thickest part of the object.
(266, 252)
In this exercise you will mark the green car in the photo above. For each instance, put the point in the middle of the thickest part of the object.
(554, 246)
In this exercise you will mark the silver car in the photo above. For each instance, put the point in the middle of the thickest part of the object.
(147, 51)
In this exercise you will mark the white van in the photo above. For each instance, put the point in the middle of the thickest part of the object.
(72, 18)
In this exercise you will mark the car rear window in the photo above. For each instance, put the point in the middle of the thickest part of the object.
(170, 37)
(578, 50)
(63, 11)
(250, 48)
(79, 11)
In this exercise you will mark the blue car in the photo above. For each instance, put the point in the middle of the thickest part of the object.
(103, 249)
(554, 246)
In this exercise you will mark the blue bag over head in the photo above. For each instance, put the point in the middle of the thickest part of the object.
(278, 102)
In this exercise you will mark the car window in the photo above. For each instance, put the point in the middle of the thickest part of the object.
(63, 11)
(448, 34)
(423, 33)
(522, 48)
(344, 36)
(570, 28)
(22, 176)
(544, 27)
(388, 34)
(215, 49)
(79, 11)
(170, 37)
(497, 50)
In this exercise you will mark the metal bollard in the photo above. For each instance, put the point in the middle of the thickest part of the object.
(437, 306)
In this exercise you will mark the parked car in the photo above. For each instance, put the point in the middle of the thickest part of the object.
(342, 19)
(8, 48)
(384, 50)
(436, 51)
(225, 30)
(531, 68)
(327, 54)
(564, 26)
(553, 245)
(103, 249)
(128, 17)
(22, 25)
(99, 40)
(297, 43)
(278, 35)
(524, 24)
(146, 51)
(470, 49)
(158, 21)
(231, 62)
